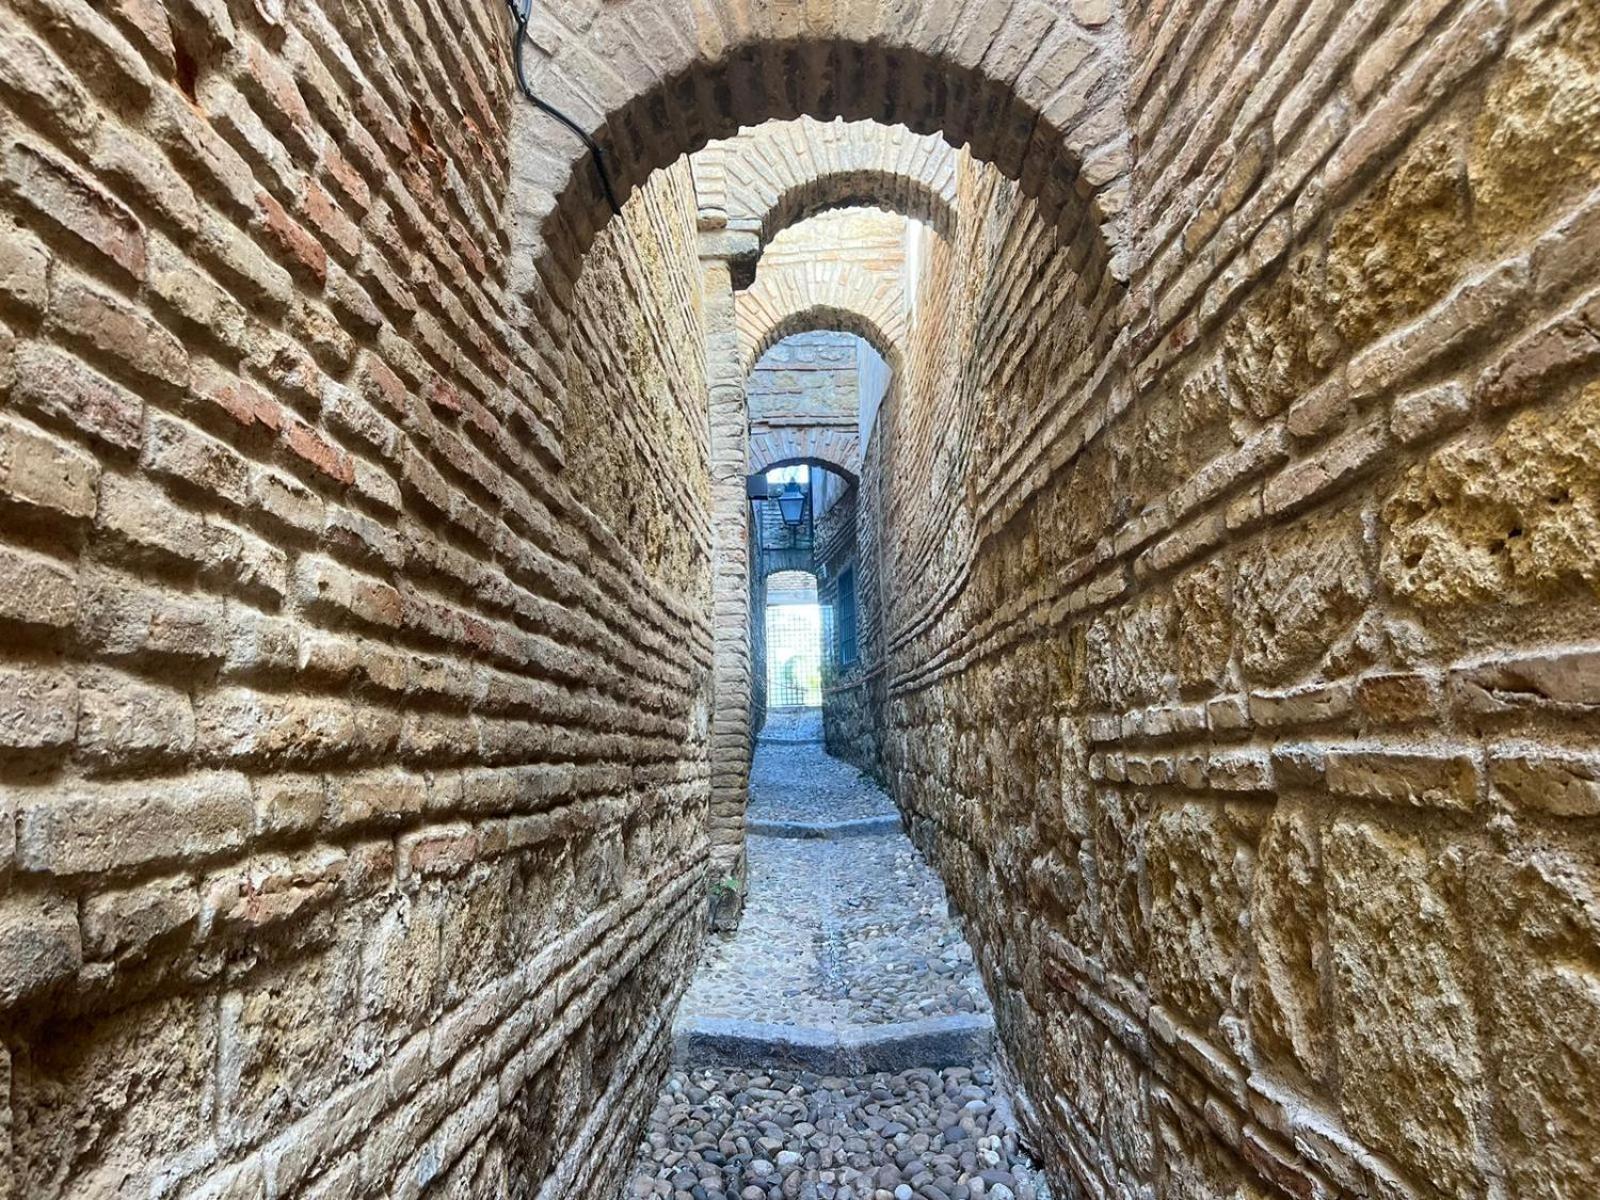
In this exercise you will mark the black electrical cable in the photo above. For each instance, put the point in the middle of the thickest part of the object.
(520, 15)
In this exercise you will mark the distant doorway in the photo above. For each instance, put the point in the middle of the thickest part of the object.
(794, 641)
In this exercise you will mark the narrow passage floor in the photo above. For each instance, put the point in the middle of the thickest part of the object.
(837, 1046)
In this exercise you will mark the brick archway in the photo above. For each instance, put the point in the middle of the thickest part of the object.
(803, 298)
(831, 449)
(779, 174)
(1039, 95)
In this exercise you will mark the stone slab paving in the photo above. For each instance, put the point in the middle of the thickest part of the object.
(835, 1047)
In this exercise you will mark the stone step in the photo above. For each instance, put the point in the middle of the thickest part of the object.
(826, 831)
(935, 1042)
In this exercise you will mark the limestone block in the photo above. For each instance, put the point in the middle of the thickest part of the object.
(473, 921)
(1538, 936)
(400, 964)
(125, 922)
(1283, 338)
(39, 945)
(1205, 641)
(1119, 847)
(1199, 876)
(1536, 141)
(287, 1040)
(109, 1107)
(1401, 247)
(124, 721)
(1287, 926)
(1500, 517)
(1410, 1064)
(1296, 591)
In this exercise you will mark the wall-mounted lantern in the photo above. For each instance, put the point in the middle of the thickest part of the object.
(792, 504)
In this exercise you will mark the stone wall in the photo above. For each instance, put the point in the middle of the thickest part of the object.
(1246, 697)
(355, 631)
(805, 380)
(851, 712)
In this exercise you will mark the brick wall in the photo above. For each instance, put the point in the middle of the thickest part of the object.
(355, 629)
(1252, 718)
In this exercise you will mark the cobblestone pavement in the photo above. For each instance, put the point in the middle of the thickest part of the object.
(916, 1135)
(848, 934)
(853, 931)
(792, 725)
(794, 779)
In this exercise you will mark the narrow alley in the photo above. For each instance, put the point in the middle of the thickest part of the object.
(799, 599)
(838, 1046)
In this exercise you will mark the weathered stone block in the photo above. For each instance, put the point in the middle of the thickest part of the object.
(1399, 249)
(1206, 640)
(1199, 889)
(125, 721)
(474, 924)
(1535, 141)
(1537, 935)
(1296, 591)
(1434, 778)
(35, 591)
(125, 922)
(1283, 339)
(116, 1104)
(38, 708)
(1288, 925)
(1537, 779)
(39, 945)
(286, 1040)
(1119, 837)
(1410, 1064)
(113, 826)
(1497, 517)
(42, 474)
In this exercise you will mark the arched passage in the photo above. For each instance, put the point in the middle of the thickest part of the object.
(356, 634)
(776, 175)
(859, 189)
(830, 449)
(791, 300)
(1037, 94)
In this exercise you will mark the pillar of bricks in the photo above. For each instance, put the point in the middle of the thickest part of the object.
(721, 250)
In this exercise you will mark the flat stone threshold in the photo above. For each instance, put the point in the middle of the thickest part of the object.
(934, 1042)
(824, 831)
